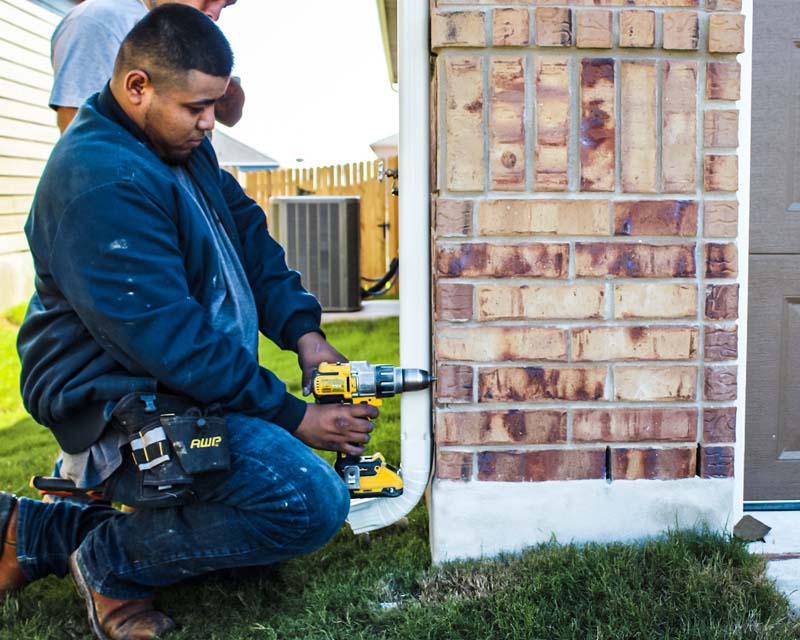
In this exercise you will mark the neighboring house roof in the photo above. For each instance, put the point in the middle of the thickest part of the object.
(57, 6)
(233, 153)
(386, 146)
(387, 13)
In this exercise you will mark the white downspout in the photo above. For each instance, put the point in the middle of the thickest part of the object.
(415, 273)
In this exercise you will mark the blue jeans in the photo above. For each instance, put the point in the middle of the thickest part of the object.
(280, 500)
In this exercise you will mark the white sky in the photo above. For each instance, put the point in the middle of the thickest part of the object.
(315, 77)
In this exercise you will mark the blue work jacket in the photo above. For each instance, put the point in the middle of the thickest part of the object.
(121, 259)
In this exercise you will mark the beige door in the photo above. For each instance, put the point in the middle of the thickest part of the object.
(772, 442)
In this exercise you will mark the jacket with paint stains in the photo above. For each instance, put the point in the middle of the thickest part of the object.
(120, 264)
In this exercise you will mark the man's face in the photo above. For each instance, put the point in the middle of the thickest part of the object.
(212, 8)
(176, 119)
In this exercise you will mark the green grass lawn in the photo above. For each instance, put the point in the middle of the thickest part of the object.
(687, 585)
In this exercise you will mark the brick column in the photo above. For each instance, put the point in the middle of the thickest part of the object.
(585, 255)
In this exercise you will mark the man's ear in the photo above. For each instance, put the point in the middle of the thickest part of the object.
(137, 84)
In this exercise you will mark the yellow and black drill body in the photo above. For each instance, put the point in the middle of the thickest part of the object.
(360, 382)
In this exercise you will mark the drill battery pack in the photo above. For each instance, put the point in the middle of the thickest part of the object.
(369, 476)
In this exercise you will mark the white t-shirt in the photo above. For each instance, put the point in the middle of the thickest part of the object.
(85, 45)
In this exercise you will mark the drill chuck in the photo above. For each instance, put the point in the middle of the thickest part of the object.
(416, 379)
(385, 380)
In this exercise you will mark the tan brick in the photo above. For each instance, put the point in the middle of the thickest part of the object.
(553, 27)
(720, 173)
(503, 261)
(679, 127)
(454, 383)
(716, 462)
(637, 29)
(500, 344)
(453, 301)
(720, 383)
(458, 29)
(681, 30)
(635, 425)
(510, 27)
(600, 344)
(453, 217)
(721, 219)
(642, 384)
(638, 147)
(464, 123)
(454, 465)
(553, 118)
(543, 217)
(498, 2)
(725, 33)
(507, 129)
(651, 300)
(594, 30)
(655, 218)
(540, 303)
(722, 302)
(634, 260)
(529, 384)
(721, 260)
(723, 80)
(501, 427)
(597, 124)
(634, 3)
(653, 464)
(719, 424)
(724, 5)
(527, 2)
(720, 343)
(539, 466)
(721, 128)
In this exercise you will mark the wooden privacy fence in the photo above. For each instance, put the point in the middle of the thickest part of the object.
(379, 208)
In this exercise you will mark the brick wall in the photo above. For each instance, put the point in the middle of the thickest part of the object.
(585, 254)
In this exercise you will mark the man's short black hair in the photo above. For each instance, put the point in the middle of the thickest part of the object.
(172, 40)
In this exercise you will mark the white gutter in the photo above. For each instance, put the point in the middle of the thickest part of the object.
(415, 309)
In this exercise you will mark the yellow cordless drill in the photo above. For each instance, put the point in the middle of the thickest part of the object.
(364, 383)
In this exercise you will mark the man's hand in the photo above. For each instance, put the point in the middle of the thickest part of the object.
(337, 427)
(312, 350)
(228, 109)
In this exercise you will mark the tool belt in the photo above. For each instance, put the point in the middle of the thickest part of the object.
(171, 441)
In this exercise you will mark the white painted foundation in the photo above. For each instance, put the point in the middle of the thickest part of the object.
(482, 519)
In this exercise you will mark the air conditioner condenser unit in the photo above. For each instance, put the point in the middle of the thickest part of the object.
(320, 235)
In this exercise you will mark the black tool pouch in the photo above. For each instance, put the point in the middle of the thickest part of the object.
(171, 441)
(201, 442)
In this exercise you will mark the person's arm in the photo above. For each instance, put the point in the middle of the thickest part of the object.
(312, 350)
(83, 54)
(65, 115)
(288, 314)
(286, 311)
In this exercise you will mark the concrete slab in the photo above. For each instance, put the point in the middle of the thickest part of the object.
(786, 576)
(370, 310)
(782, 548)
(784, 538)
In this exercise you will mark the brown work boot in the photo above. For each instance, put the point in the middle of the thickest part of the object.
(110, 619)
(11, 578)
